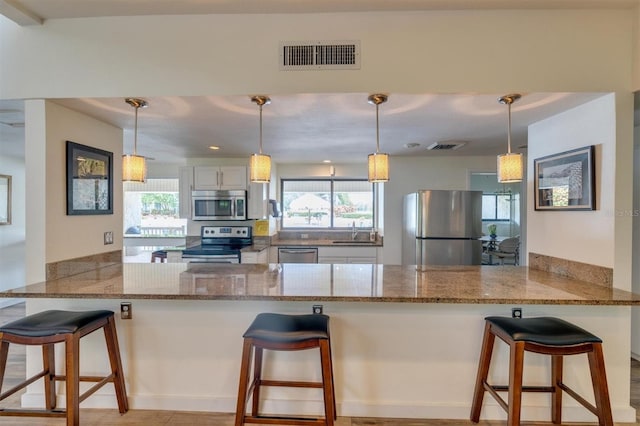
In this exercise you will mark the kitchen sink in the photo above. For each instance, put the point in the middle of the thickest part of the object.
(352, 242)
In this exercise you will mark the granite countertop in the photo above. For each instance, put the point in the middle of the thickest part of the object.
(327, 282)
(324, 243)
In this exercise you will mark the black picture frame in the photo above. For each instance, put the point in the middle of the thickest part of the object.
(565, 181)
(89, 180)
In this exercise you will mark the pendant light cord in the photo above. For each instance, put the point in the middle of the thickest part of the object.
(377, 129)
(509, 130)
(135, 134)
(260, 129)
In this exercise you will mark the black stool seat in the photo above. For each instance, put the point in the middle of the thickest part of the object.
(546, 336)
(159, 254)
(288, 328)
(49, 323)
(280, 332)
(544, 330)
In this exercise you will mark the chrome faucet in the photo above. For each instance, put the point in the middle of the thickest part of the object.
(354, 231)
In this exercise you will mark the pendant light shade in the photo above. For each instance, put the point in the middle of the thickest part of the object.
(260, 164)
(509, 164)
(134, 167)
(378, 167)
(378, 162)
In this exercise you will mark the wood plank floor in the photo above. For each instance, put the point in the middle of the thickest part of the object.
(93, 417)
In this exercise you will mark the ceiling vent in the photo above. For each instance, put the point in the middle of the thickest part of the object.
(319, 55)
(445, 146)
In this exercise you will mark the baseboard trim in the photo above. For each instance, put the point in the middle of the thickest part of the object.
(490, 410)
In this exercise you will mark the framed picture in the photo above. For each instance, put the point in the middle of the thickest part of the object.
(565, 181)
(5, 200)
(89, 180)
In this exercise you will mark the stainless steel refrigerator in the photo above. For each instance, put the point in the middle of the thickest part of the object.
(442, 228)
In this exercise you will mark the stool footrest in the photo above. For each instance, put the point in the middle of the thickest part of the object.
(22, 385)
(32, 413)
(586, 404)
(292, 384)
(504, 388)
(266, 420)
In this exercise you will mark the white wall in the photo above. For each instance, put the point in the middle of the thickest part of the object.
(635, 313)
(583, 236)
(12, 236)
(412, 52)
(48, 127)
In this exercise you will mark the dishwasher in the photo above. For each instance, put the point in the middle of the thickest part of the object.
(298, 255)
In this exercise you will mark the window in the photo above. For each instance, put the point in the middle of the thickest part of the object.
(327, 203)
(496, 207)
(152, 208)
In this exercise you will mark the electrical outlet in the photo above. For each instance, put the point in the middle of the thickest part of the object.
(125, 310)
(516, 312)
(304, 236)
(317, 309)
(108, 237)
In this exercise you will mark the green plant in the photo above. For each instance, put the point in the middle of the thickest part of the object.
(492, 229)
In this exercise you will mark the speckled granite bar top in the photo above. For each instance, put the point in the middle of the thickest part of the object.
(327, 282)
(325, 243)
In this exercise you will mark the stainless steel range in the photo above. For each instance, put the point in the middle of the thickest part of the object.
(219, 244)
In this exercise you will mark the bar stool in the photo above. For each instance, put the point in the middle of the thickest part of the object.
(548, 336)
(279, 332)
(159, 254)
(50, 327)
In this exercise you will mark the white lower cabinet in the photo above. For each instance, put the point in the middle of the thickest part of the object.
(174, 256)
(347, 254)
(261, 256)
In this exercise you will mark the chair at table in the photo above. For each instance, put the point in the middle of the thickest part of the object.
(508, 248)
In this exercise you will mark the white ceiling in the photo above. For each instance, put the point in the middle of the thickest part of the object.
(304, 127)
(310, 128)
(29, 12)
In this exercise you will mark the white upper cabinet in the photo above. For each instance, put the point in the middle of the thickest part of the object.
(184, 196)
(219, 177)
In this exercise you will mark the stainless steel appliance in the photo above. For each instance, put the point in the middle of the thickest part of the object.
(219, 205)
(219, 244)
(298, 255)
(442, 228)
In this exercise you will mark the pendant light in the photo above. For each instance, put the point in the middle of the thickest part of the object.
(509, 164)
(260, 164)
(134, 167)
(378, 162)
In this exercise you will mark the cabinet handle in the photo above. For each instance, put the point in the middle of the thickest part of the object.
(221, 179)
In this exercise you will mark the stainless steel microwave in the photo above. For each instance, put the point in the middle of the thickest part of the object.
(219, 205)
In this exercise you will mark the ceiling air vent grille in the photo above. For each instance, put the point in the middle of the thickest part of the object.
(445, 146)
(320, 55)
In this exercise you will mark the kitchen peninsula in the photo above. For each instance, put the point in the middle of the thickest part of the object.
(406, 339)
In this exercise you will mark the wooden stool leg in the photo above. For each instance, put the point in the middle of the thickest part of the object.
(113, 350)
(257, 380)
(333, 387)
(516, 362)
(4, 354)
(327, 382)
(49, 367)
(556, 398)
(483, 372)
(72, 378)
(245, 366)
(600, 387)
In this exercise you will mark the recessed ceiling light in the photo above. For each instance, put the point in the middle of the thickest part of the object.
(213, 147)
(326, 161)
(411, 145)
